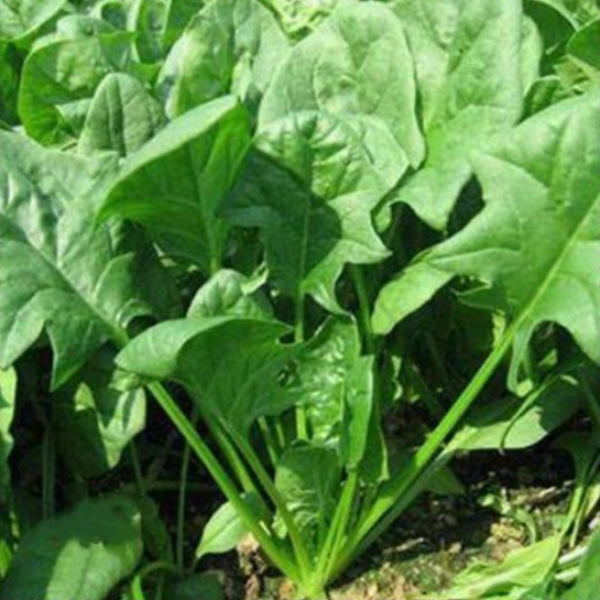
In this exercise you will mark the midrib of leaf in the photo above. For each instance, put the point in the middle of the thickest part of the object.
(304, 248)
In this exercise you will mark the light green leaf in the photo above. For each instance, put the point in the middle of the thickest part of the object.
(8, 396)
(174, 185)
(469, 70)
(310, 493)
(229, 293)
(232, 366)
(586, 587)
(536, 243)
(20, 18)
(310, 188)
(79, 556)
(59, 271)
(122, 117)
(96, 417)
(356, 66)
(523, 568)
(225, 529)
(300, 17)
(231, 47)
(62, 73)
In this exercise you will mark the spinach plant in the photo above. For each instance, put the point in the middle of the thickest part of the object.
(287, 224)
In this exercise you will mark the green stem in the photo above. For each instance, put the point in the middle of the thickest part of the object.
(389, 505)
(364, 305)
(301, 419)
(248, 452)
(264, 536)
(137, 585)
(140, 482)
(591, 401)
(270, 441)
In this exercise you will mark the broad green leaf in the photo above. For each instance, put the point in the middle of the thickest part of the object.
(80, 556)
(225, 529)
(205, 586)
(62, 73)
(300, 17)
(535, 245)
(232, 366)
(122, 117)
(586, 587)
(20, 18)
(159, 23)
(59, 271)
(555, 23)
(310, 493)
(523, 568)
(506, 425)
(8, 396)
(470, 73)
(229, 293)
(582, 49)
(356, 66)
(175, 184)
(96, 417)
(230, 47)
(310, 188)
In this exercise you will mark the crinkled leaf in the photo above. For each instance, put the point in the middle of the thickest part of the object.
(229, 293)
(310, 187)
(230, 47)
(470, 73)
(62, 73)
(310, 493)
(233, 366)
(122, 117)
(59, 271)
(20, 18)
(159, 23)
(300, 17)
(536, 243)
(174, 185)
(80, 556)
(8, 396)
(96, 417)
(357, 66)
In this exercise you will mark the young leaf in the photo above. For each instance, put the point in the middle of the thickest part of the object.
(8, 393)
(225, 529)
(310, 493)
(79, 556)
(20, 18)
(232, 366)
(356, 66)
(96, 416)
(469, 69)
(310, 188)
(536, 241)
(59, 271)
(62, 73)
(122, 117)
(175, 183)
(231, 47)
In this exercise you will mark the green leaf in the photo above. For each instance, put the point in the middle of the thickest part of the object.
(8, 396)
(470, 75)
(205, 586)
(356, 66)
(583, 47)
(229, 293)
(310, 188)
(232, 366)
(159, 23)
(523, 568)
(59, 272)
(62, 73)
(174, 185)
(225, 529)
(586, 587)
(535, 244)
(310, 493)
(300, 17)
(96, 417)
(79, 556)
(20, 18)
(9, 83)
(122, 117)
(230, 47)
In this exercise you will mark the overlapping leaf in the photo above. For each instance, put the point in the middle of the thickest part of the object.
(20, 18)
(536, 244)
